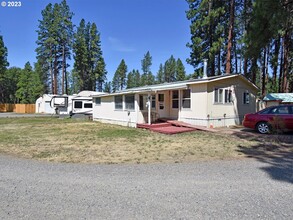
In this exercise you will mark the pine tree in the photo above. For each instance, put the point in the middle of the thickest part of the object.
(66, 40)
(119, 79)
(147, 77)
(3, 66)
(160, 78)
(11, 78)
(207, 32)
(170, 70)
(81, 55)
(107, 87)
(89, 63)
(180, 71)
(29, 85)
(54, 44)
(133, 79)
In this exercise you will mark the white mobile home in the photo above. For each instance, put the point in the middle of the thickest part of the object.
(212, 101)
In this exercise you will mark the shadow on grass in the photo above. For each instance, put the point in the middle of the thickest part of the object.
(275, 150)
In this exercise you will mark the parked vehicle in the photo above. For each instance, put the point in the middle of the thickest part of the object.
(270, 119)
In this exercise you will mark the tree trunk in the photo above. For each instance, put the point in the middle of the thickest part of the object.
(55, 76)
(230, 37)
(263, 81)
(281, 70)
(253, 70)
(63, 69)
(286, 46)
(276, 58)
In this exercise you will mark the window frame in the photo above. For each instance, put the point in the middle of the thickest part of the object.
(127, 104)
(85, 104)
(246, 101)
(175, 99)
(186, 99)
(116, 104)
(75, 102)
(98, 103)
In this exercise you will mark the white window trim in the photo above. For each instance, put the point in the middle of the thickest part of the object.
(182, 99)
(119, 109)
(176, 99)
(100, 101)
(129, 109)
(222, 97)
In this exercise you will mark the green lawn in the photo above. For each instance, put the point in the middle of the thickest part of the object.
(67, 140)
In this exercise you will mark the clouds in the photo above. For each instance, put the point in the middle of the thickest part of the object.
(118, 45)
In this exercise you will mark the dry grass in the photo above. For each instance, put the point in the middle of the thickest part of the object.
(69, 140)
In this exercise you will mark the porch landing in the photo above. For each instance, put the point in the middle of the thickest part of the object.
(167, 126)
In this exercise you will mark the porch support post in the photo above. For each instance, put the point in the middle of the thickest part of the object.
(149, 108)
(179, 104)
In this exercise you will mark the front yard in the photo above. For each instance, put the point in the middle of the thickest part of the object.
(66, 140)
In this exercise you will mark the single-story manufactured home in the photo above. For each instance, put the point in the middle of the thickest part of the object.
(210, 101)
(272, 99)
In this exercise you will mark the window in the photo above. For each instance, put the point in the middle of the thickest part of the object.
(78, 104)
(161, 97)
(88, 105)
(143, 99)
(98, 101)
(218, 95)
(186, 98)
(175, 99)
(118, 102)
(129, 102)
(228, 96)
(246, 98)
(153, 101)
(222, 96)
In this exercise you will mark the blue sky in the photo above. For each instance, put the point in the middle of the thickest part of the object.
(128, 28)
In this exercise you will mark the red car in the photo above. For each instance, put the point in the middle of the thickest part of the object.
(271, 118)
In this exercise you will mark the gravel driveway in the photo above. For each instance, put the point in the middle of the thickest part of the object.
(243, 189)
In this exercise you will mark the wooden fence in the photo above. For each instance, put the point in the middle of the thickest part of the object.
(18, 108)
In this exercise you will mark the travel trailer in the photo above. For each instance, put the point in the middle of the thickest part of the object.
(80, 103)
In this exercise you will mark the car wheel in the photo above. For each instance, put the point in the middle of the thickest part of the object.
(263, 128)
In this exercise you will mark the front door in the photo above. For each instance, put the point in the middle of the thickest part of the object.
(162, 108)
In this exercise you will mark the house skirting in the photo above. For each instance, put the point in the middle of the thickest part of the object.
(214, 122)
(115, 121)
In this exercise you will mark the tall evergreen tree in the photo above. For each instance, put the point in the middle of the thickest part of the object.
(160, 78)
(54, 44)
(207, 32)
(80, 49)
(133, 79)
(89, 63)
(107, 87)
(147, 77)
(29, 85)
(170, 70)
(180, 71)
(66, 41)
(11, 79)
(119, 79)
(3, 66)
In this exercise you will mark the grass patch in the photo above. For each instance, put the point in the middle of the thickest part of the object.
(53, 139)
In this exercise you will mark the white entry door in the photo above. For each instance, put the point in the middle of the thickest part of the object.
(162, 108)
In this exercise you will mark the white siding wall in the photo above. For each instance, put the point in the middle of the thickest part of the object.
(105, 112)
(205, 112)
(197, 114)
